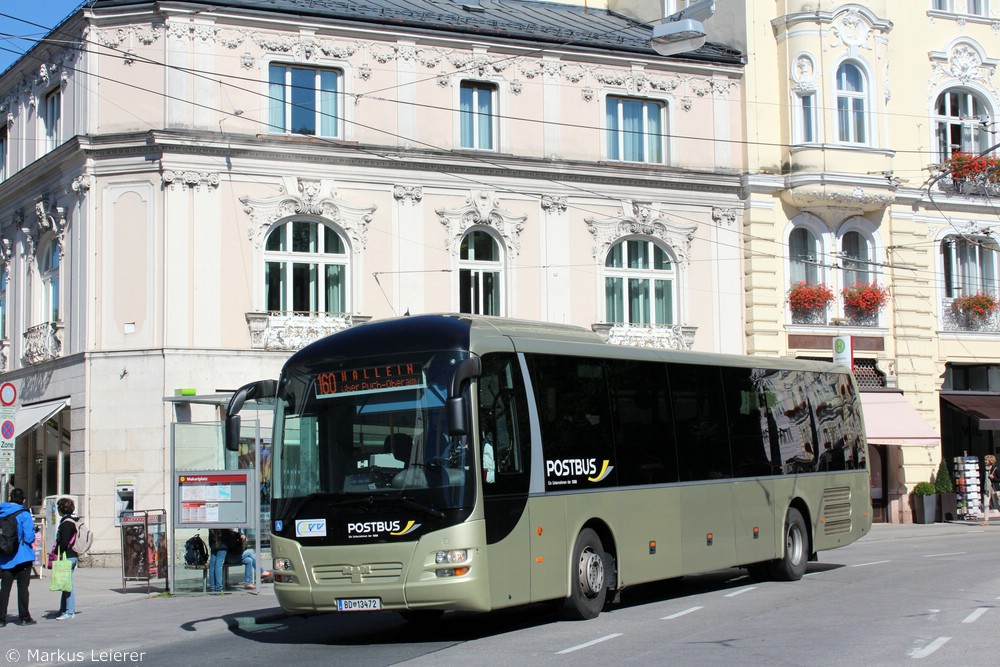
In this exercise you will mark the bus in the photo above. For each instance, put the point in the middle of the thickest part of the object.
(456, 462)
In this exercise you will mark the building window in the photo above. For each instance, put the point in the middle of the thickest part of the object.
(53, 119)
(305, 269)
(479, 275)
(48, 268)
(856, 259)
(970, 7)
(961, 123)
(3, 154)
(3, 304)
(477, 104)
(805, 129)
(635, 130)
(304, 100)
(970, 266)
(638, 284)
(851, 113)
(803, 256)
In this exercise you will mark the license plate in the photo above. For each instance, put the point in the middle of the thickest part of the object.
(359, 604)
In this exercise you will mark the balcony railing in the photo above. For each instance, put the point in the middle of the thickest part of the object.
(661, 336)
(959, 321)
(43, 342)
(970, 187)
(822, 317)
(286, 330)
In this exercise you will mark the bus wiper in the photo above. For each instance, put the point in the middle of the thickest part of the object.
(414, 504)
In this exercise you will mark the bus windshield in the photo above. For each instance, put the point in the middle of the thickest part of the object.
(371, 430)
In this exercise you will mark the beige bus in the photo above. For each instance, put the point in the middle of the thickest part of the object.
(456, 462)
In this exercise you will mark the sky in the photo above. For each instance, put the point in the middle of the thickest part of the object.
(47, 13)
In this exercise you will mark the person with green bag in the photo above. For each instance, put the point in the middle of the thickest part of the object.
(68, 559)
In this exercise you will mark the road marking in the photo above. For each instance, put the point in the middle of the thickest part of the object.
(953, 553)
(590, 643)
(874, 562)
(681, 613)
(930, 648)
(971, 618)
(741, 591)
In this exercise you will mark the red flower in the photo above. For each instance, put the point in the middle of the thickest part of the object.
(977, 306)
(803, 297)
(966, 166)
(864, 298)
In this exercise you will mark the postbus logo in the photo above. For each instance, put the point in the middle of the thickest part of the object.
(394, 528)
(567, 471)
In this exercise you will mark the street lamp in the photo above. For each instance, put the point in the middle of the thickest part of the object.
(682, 31)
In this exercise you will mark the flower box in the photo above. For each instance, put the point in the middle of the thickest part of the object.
(975, 307)
(808, 302)
(865, 300)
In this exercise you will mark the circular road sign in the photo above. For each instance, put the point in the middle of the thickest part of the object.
(7, 429)
(8, 394)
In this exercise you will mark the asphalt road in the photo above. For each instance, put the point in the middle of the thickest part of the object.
(929, 597)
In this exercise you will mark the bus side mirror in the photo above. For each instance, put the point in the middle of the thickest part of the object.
(233, 433)
(455, 409)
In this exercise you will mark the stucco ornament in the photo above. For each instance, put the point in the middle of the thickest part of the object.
(482, 208)
(302, 196)
(641, 219)
(853, 31)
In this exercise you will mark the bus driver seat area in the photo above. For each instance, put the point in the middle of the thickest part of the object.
(412, 475)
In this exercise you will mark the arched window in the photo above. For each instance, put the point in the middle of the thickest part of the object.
(305, 269)
(48, 269)
(856, 259)
(961, 123)
(970, 266)
(803, 256)
(851, 112)
(639, 283)
(480, 273)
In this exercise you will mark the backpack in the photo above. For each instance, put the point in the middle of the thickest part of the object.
(10, 540)
(83, 539)
(195, 552)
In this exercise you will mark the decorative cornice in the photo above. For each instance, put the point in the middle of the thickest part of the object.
(190, 179)
(642, 219)
(408, 193)
(308, 197)
(482, 208)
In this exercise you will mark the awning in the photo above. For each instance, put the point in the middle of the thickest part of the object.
(985, 408)
(29, 417)
(891, 420)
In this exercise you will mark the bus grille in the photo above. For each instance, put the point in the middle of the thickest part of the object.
(367, 572)
(837, 510)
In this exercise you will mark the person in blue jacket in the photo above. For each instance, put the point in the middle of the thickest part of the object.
(17, 566)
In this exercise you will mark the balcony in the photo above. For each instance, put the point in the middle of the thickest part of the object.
(43, 342)
(660, 336)
(959, 321)
(289, 331)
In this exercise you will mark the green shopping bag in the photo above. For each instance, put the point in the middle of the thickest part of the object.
(62, 575)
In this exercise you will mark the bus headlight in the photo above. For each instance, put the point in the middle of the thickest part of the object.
(282, 564)
(452, 557)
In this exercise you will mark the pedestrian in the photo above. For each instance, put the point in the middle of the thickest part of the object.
(218, 548)
(65, 541)
(17, 566)
(993, 479)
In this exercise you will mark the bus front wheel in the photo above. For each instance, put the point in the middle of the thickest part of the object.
(792, 565)
(588, 578)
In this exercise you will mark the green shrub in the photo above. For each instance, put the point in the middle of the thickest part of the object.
(943, 480)
(924, 489)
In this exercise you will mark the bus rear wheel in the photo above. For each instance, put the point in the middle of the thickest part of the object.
(588, 578)
(792, 565)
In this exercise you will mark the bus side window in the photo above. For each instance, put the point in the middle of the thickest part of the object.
(750, 430)
(503, 425)
(700, 422)
(645, 450)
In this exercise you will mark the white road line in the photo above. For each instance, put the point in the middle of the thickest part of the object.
(953, 553)
(590, 643)
(741, 591)
(874, 562)
(930, 648)
(681, 613)
(971, 618)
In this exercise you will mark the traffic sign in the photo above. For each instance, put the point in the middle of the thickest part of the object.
(6, 461)
(7, 429)
(8, 394)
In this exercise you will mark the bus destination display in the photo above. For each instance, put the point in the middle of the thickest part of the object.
(368, 380)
